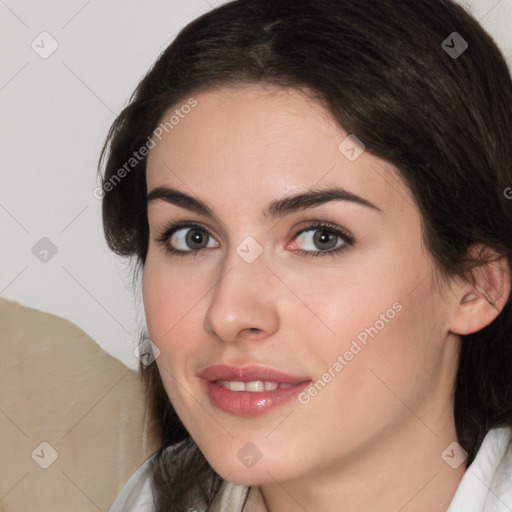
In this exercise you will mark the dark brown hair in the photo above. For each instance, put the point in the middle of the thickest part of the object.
(380, 68)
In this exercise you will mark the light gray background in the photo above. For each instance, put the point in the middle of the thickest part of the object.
(54, 115)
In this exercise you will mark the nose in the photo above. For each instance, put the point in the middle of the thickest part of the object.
(243, 304)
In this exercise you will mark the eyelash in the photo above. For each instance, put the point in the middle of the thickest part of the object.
(347, 238)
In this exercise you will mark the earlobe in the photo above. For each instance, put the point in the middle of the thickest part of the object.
(482, 300)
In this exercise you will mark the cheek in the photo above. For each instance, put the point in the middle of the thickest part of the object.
(350, 305)
(174, 309)
(390, 355)
(167, 308)
(169, 299)
(380, 318)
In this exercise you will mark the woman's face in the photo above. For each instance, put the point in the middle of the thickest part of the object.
(337, 293)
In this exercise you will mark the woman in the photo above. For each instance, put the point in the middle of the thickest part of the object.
(315, 192)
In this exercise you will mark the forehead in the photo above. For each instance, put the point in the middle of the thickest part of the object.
(268, 141)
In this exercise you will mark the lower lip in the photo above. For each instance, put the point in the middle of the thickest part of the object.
(248, 403)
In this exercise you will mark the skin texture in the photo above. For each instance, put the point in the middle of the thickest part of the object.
(372, 439)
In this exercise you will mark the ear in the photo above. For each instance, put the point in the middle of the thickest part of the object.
(481, 301)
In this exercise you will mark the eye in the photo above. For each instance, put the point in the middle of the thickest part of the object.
(319, 239)
(323, 239)
(185, 239)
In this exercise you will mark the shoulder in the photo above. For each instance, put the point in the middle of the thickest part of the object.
(137, 494)
(487, 482)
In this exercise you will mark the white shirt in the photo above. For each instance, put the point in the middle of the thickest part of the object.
(486, 486)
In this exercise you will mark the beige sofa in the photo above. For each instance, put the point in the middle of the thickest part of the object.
(73, 419)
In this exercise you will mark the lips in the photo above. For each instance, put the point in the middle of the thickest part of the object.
(249, 374)
(250, 390)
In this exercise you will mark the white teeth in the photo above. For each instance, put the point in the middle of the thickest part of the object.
(253, 386)
(237, 386)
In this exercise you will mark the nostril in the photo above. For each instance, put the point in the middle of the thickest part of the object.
(252, 330)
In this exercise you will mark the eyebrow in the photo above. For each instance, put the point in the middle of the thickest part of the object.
(277, 208)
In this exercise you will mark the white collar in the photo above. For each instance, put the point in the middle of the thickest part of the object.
(487, 484)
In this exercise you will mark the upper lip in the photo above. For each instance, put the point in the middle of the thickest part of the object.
(249, 374)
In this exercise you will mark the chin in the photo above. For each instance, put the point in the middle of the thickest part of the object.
(248, 477)
(260, 472)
